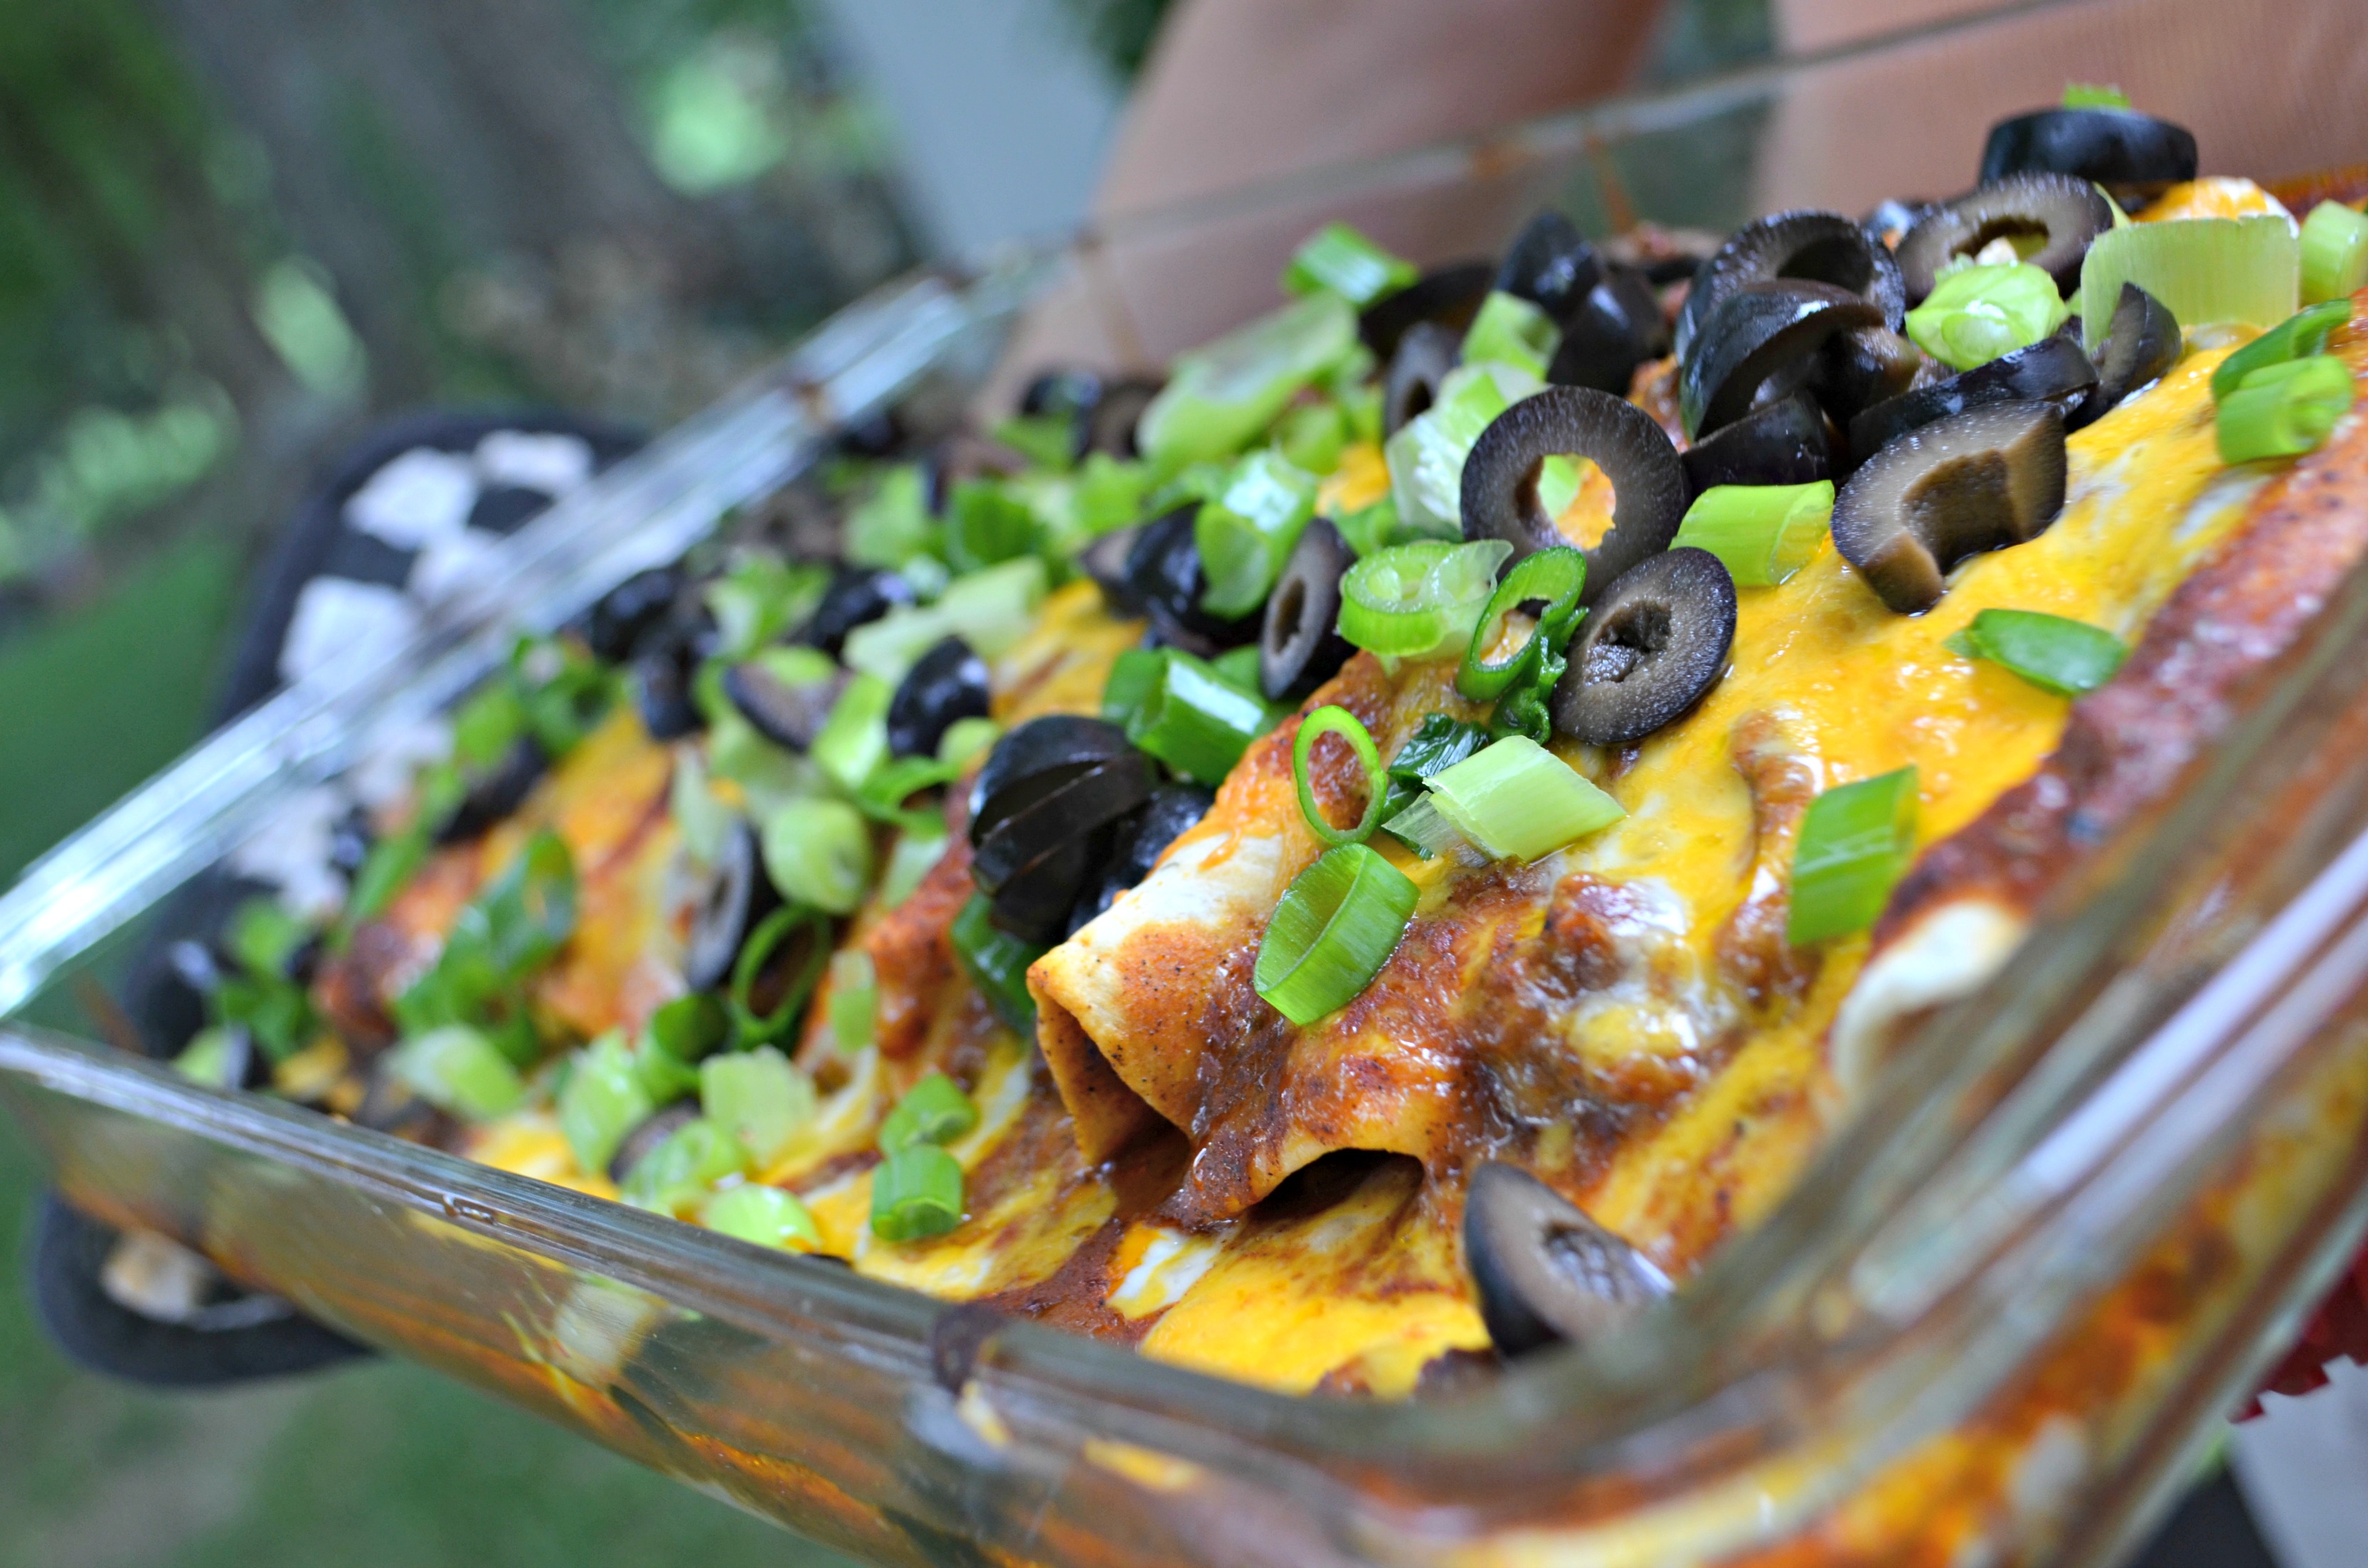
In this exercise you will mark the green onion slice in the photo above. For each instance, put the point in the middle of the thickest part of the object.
(2094, 95)
(1426, 456)
(1855, 843)
(819, 852)
(2299, 336)
(1196, 721)
(1763, 533)
(1421, 828)
(456, 1069)
(1339, 258)
(2283, 411)
(854, 998)
(853, 741)
(683, 1167)
(1337, 926)
(1369, 529)
(758, 1098)
(1220, 395)
(1511, 330)
(2334, 252)
(1413, 600)
(2067, 657)
(754, 977)
(1246, 534)
(996, 962)
(690, 1028)
(1975, 314)
(1132, 675)
(1334, 720)
(762, 1216)
(1553, 577)
(1519, 802)
(2204, 270)
(934, 1110)
(916, 1192)
(603, 1098)
(1437, 743)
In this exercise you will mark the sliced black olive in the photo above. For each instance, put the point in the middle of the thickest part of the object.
(1784, 443)
(1300, 646)
(787, 714)
(351, 839)
(1410, 385)
(1105, 562)
(1083, 806)
(1164, 572)
(1977, 481)
(945, 684)
(2051, 371)
(505, 508)
(1551, 265)
(1653, 644)
(1448, 295)
(1862, 369)
(735, 896)
(1036, 759)
(1816, 247)
(1111, 428)
(1762, 333)
(2120, 149)
(662, 681)
(1648, 483)
(1544, 1271)
(647, 1134)
(1616, 327)
(629, 611)
(496, 792)
(855, 596)
(1172, 811)
(2068, 213)
(2142, 343)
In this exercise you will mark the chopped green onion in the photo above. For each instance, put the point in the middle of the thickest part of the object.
(1437, 743)
(1133, 675)
(996, 962)
(934, 1110)
(1195, 721)
(1314, 435)
(916, 1193)
(1337, 926)
(986, 526)
(1220, 395)
(1763, 533)
(964, 739)
(690, 1028)
(1511, 330)
(1246, 534)
(1422, 829)
(891, 526)
(1855, 843)
(2204, 270)
(854, 998)
(700, 816)
(485, 726)
(758, 1098)
(1360, 405)
(1426, 457)
(762, 1216)
(918, 848)
(2298, 337)
(990, 610)
(683, 1167)
(666, 1076)
(1337, 257)
(759, 598)
(1369, 529)
(2067, 657)
(1975, 314)
(819, 852)
(775, 932)
(1519, 802)
(1046, 440)
(603, 1099)
(2334, 252)
(2093, 94)
(2283, 411)
(853, 741)
(1556, 578)
(1334, 720)
(1239, 665)
(1419, 599)
(456, 1069)
(206, 1057)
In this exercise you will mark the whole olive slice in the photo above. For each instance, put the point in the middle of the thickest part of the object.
(631, 610)
(1035, 759)
(1977, 481)
(1783, 443)
(786, 714)
(1034, 905)
(1862, 369)
(1648, 483)
(647, 1134)
(2051, 371)
(1550, 264)
(1172, 811)
(1616, 327)
(1762, 333)
(2142, 343)
(1817, 247)
(1300, 645)
(662, 694)
(735, 896)
(1653, 644)
(945, 684)
(1544, 1271)
(1164, 574)
(1448, 295)
(855, 596)
(1085, 805)
(495, 791)
(2069, 211)
(1111, 428)
(2120, 149)
(1410, 385)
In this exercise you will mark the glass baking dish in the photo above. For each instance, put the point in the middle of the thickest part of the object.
(1995, 1323)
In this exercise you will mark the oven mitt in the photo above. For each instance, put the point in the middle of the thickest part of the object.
(404, 520)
